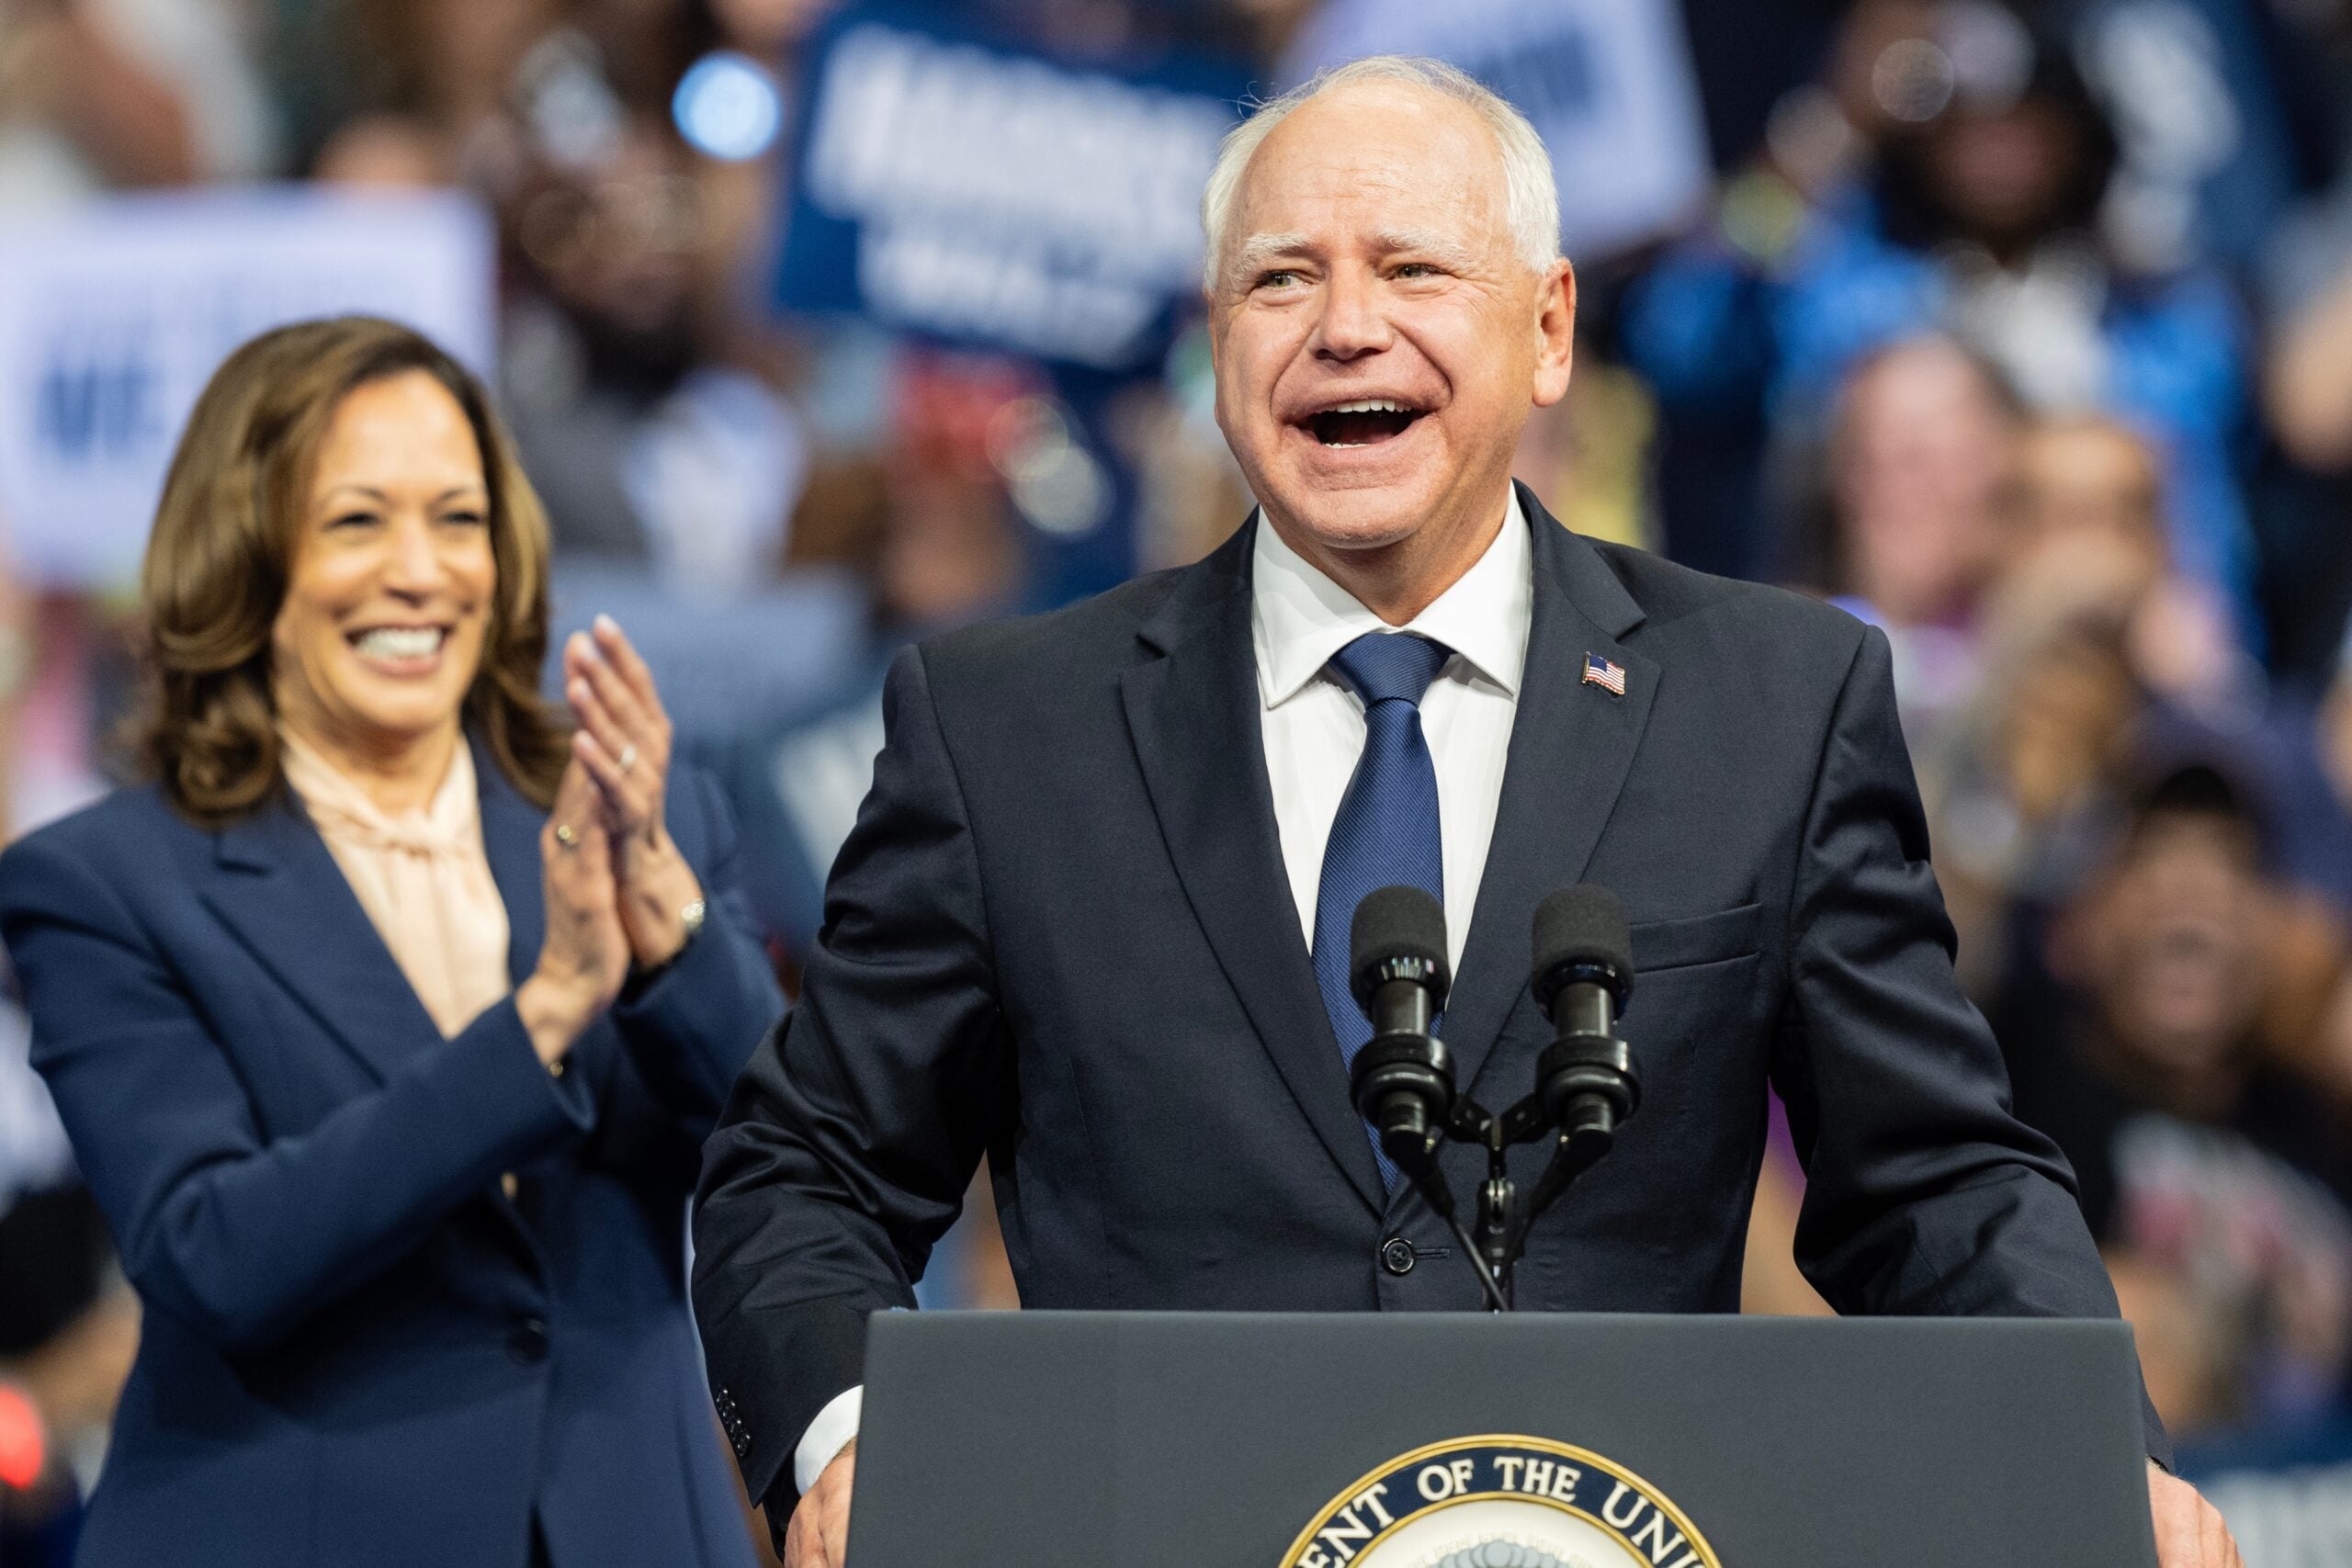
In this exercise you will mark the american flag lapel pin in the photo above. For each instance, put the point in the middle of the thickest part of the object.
(1600, 673)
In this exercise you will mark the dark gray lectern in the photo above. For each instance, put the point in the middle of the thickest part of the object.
(1166, 1440)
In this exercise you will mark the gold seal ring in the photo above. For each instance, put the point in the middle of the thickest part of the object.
(566, 836)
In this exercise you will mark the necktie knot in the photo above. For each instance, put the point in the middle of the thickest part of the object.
(1391, 666)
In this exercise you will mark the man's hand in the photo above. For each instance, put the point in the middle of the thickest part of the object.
(2189, 1531)
(819, 1534)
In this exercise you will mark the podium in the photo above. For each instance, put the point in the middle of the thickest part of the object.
(1536, 1440)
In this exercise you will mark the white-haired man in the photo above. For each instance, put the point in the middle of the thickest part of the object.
(1094, 919)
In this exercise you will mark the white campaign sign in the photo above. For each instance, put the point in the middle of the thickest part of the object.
(1607, 84)
(114, 314)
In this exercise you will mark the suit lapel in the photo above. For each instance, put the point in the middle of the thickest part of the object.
(1572, 745)
(278, 886)
(1193, 714)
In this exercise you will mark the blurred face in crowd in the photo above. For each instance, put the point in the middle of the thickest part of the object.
(1922, 453)
(616, 246)
(390, 584)
(2004, 174)
(2172, 950)
(1379, 340)
(2090, 483)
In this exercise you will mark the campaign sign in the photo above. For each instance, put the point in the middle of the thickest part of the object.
(114, 314)
(1607, 84)
(982, 193)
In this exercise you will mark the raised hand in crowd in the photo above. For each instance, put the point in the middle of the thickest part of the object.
(624, 741)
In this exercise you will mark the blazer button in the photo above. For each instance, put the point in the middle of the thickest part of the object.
(528, 1342)
(1397, 1255)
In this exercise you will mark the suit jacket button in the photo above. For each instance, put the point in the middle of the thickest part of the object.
(528, 1342)
(1397, 1255)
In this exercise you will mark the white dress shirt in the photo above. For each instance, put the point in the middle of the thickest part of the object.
(1313, 720)
(1314, 728)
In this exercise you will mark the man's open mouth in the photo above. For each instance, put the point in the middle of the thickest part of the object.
(1367, 422)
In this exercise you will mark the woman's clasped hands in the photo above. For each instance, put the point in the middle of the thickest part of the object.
(619, 895)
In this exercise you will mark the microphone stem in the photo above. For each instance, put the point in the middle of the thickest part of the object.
(1495, 1301)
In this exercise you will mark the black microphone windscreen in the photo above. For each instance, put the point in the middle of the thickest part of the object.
(1581, 927)
(1398, 922)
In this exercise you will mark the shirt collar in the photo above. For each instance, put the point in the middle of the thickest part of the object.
(1299, 617)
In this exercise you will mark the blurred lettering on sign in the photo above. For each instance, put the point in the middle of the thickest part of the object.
(975, 192)
(114, 314)
(1607, 84)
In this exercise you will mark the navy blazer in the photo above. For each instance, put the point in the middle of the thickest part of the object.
(357, 1348)
(1061, 934)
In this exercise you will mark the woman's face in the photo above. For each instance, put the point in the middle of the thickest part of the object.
(389, 595)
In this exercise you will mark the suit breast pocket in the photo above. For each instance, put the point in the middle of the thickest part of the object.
(1660, 946)
(1695, 1017)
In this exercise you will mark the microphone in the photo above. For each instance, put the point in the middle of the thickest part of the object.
(1584, 970)
(1402, 1081)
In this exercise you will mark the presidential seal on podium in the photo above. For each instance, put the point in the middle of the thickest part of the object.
(1501, 1501)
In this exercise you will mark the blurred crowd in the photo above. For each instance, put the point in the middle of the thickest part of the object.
(2023, 330)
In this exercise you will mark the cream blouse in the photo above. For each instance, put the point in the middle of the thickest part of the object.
(424, 878)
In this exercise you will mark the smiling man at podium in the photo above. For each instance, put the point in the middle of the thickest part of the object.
(1094, 919)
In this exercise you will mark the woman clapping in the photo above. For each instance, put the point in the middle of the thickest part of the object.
(388, 1017)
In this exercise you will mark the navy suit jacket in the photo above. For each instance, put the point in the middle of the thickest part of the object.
(357, 1349)
(1061, 935)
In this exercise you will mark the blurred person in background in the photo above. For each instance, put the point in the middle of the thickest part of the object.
(68, 1324)
(68, 1327)
(388, 1019)
(1975, 208)
(2086, 635)
(658, 453)
(2314, 744)
(642, 392)
(928, 529)
(2089, 541)
(98, 95)
(1919, 456)
(2213, 1175)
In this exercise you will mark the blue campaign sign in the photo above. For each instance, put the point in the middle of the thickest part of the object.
(114, 314)
(984, 193)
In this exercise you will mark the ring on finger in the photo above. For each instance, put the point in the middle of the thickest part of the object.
(628, 759)
(566, 835)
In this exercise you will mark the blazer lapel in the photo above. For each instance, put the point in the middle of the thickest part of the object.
(1193, 713)
(510, 836)
(1572, 745)
(278, 888)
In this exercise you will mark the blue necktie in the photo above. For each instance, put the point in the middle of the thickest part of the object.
(1386, 832)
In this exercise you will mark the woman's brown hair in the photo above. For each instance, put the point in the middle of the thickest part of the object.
(218, 560)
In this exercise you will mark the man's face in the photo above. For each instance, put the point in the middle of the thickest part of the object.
(1379, 342)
